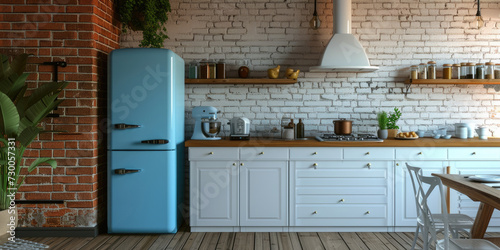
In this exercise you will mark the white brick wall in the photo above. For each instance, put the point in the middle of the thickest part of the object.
(395, 34)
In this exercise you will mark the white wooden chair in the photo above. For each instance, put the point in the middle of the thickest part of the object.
(431, 224)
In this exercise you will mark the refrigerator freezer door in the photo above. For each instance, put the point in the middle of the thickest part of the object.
(142, 85)
(142, 192)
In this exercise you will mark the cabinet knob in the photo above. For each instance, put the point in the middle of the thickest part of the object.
(315, 165)
(369, 165)
(367, 153)
(234, 163)
(420, 153)
(341, 200)
(315, 212)
(315, 153)
(241, 164)
(473, 153)
(261, 153)
(211, 153)
(397, 164)
(367, 212)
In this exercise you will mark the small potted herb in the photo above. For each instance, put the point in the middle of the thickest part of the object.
(391, 123)
(382, 118)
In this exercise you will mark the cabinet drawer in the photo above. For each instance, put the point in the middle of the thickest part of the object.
(474, 153)
(341, 199)
(416, 154)
(369, 153)
(215, 154)
(354, 165)
(315, 153)
(255, 154)
(340, 215)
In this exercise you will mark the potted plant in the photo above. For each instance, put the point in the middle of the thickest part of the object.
(20, 114)
(150, 16)
(382, 118)
(393, 118)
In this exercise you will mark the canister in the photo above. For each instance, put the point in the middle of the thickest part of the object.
(446, 71)
(461, 132)
(431, 70)
(490, 70)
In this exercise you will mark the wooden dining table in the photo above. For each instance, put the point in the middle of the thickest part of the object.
(488, 197)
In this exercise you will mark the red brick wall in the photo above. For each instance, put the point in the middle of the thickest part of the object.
(81, 33)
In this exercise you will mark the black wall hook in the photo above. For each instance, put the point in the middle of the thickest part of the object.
(56, 65)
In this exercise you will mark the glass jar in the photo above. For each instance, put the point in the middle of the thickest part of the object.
(211, 70)
(471, 70)
(204, 70)
(414, 72)
(455, 71)
(490, 71)
(463, 70)
(479, 71)
(193, 70)
(431, 70)
(497, 71)
(446, 71)
(221, 69)
(422, 71)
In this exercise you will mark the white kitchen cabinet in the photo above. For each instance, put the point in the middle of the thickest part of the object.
(341, 194)
(233, 188)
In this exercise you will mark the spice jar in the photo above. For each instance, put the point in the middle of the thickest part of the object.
(446, 71)
(479, 71)
(490, 71)
(497, 71)
(193, 70)
(414, 72)
(221, 69)
(211, 69)
(431, 70)
(463, 70)
(471, 70)
(204, 70)
(422, 71)
(455, 71)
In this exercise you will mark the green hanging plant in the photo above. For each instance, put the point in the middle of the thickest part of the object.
(150, 16)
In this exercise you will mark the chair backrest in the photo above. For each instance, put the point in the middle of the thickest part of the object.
(423, 187)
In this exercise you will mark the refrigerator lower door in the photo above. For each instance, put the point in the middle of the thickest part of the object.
(142, 194)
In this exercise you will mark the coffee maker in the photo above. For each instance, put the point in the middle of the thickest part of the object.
(206, 126)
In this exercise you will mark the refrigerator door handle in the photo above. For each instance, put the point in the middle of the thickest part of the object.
(126, 171)
(126, 126)
(156, 141)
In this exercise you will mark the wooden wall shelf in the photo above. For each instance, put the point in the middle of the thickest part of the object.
(453, 81)
(240, 81)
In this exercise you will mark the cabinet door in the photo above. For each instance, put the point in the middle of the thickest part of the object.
(214, 190)
(405, 209)
(263, 193)
(460, 203)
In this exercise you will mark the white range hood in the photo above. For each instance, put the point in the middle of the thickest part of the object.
(343, 53)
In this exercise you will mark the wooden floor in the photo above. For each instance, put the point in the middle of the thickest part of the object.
(238, 241)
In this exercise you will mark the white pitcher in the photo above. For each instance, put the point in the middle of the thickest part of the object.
(482, 133)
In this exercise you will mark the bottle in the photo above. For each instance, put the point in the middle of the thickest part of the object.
(193, 70)
(414, 72)
(479, 71)
(431, 70)
(446, 71)
(422, 71)
(490, 71)
(221, 69)
(471, 70)
(463, 70)
(456, 71)
(300, 129)
(292, 125)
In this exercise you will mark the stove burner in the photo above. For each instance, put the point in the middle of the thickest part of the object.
(352, 137)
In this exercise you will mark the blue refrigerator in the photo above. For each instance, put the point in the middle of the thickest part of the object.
(145, 140)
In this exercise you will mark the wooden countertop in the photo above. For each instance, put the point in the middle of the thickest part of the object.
(311, 142)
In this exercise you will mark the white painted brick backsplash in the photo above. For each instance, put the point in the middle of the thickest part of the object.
(395, 33)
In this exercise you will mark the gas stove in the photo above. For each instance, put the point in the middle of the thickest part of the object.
(352, 137)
